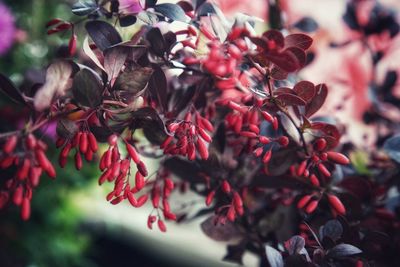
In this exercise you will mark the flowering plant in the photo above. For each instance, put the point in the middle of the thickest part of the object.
(220, 107)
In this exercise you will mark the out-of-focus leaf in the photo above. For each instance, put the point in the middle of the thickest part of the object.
(171, 11)
(299, 40)
(158, 87)
(343, 250)
(290, 100)
(114, 60)
(84, 7)
(299, 54)
(274, 257)
(235, 253)
(127, 20)
(87, 89)
(332, 229)
(219, 232)
(133, 80)
(318, 100)
(306, 24)
(153, 126)
(392, 148)
(295, 244)
(103, 34)
(57, 82)
(150, 3)
(156, 41)
(66, 128)
(186, 170)
(359, 160)
(305, 90)
(8, 88)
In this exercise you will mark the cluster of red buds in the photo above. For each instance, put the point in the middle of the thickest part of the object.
(85, 145)
(233, 209)
(191, 137)
(25, 157)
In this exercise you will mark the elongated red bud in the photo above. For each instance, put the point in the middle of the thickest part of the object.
(254, 128)
(166, 142)
(258, 151)
(161, 226)
(335, 202)
(139, 181)
(204, 123)
(132, 199)
(53, 22)
(231, 214)
(204, 135)
(303, 201)
(169, 184)
(267, 156)
(248, 134)
(324, 170)
(150, 220)
(66, 149)
(320, 144)
(30, 141)
(92, 142)
(25, 209)
(264, 140)
(34, 175)
(155, 196)
(338, 158)
(18, 195)
(132, 153)
(210, 198)
(226, 187)
(60, 142)
(302, 168)
(10, 144)
(142, 168)
(275, 123)
(72, 45)
(142, 200)
(314, 180)
(78, 161)
(23, 172)
(312, 206)
(112, 140)
(117, 200)
(104, 177)
(202, 148)
(283, 141)
(237, 200)
(268, 117)
(89, 155)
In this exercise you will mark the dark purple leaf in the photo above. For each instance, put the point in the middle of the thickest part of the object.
(299, 54)
(87, 89)
(156, 41)
(332, 229)
(185, 170)
(295, 244)
(149, 120)
(158, 87)
(171, 11)
(186, 6)
(103, 34)
(343, 250)
(305, 90)
(276, 36)
(235, 253)
(306, 24)
(150, 3)
(392, 148)
(66, 128)
(219, 232)
(274, 257)
(290, 100)
(285, 60)
(205, 9)
(127, 20)
(133, 80)
(9, 89)
(114, 60)
(299, 40)
(278, 74)
(318, 100)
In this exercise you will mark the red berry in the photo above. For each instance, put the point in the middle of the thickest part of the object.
(338, 158)
(335, 202)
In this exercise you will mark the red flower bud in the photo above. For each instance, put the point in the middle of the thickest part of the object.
(314, 180)
(78, 161)
(132, 199)
(338, 158)
(18, 195)
(10, 144)
(202, 148)
(302, 168)
(30, 141)
(320, 144)
(92, 142)
(210, 198)
(204, 135)
(132, 153)
(283, 141)
(226, 187)
(267, 156)
(303, 201)
(324, 170)
(161, 226)
(139, 181)
(25, 209)
(112, 140)
(335, 202)
(312, 206)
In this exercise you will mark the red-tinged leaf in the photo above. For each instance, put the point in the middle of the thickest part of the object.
(327, 129)
(318, 100)
(72, 45)
(305, 90)
(285, 60)
(283, 90)
(114, 60)
(103, 34)
(299, 40)
(10, 90)
(291, 100)
(299, 54)
(276, 36)
(278, 74)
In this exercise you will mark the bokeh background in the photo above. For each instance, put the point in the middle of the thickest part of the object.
(73, 225)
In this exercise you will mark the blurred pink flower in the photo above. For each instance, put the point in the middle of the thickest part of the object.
(130, 6)
(7, 29)
(257, 8)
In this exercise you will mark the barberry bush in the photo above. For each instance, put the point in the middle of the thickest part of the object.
(224, 111)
